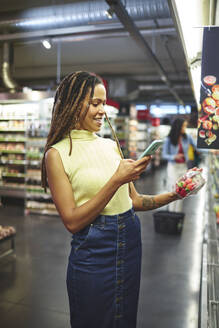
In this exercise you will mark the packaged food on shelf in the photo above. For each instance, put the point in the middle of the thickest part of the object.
(23, 130)
(6, 231)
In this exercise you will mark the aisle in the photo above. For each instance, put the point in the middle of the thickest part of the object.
(32, 285)
(170, 282)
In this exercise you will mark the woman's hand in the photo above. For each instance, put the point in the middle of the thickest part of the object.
(130, 170)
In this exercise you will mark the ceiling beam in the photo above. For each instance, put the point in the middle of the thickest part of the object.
(122, 14)
(82, 31)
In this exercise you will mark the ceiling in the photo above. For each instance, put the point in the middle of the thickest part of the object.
(138, 51)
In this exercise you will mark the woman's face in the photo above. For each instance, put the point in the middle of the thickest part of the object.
(94, 117)
(183, 128)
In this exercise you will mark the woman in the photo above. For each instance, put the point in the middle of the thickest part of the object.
(93, 190)
(175, 151)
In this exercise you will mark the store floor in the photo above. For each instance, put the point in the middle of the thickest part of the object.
(32, 284)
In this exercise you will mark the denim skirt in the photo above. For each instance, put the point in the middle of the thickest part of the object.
(103, 274)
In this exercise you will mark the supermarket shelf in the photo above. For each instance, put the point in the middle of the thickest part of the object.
(13, 175)
(20, 162)
(29, 126)
(33, 188)
(12, 118)
(33, 162)
(37, 138)
(14, 162)
(204, 289)
(12, 130)
(41, 211)
(5, 151)
(35, 195)
(12, 140)
(12, 192)
(35, 178)
(210, 265)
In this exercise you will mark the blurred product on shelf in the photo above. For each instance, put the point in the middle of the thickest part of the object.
(6, 231)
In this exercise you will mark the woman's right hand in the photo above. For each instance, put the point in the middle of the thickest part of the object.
(130, 170)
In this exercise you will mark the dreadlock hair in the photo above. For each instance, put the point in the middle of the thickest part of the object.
(75, 89)
(175, 131)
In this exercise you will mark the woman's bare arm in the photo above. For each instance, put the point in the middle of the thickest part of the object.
(76, 218)
(150, 202)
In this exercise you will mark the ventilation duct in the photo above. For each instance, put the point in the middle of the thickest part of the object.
(78, 14)
(7, 62)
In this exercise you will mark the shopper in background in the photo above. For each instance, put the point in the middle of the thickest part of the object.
(175, 151)
(194, 157)
(92, 188)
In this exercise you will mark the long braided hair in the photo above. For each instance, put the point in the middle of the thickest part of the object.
(74, 91)
(175, 131)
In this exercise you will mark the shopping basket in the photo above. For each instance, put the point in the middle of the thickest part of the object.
(168, 222)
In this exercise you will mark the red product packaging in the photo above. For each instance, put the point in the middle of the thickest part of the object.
(190, 183)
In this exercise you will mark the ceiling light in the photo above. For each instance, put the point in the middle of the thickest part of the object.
(109, 13)
(46, 44)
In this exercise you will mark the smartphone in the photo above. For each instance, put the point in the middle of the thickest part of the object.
(151, 148)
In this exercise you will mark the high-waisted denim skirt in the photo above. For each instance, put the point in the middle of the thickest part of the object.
(103, 274)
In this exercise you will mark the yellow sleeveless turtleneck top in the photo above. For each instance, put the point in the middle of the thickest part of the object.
(91, 164)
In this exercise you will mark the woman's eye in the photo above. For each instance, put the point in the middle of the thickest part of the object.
(97, 104)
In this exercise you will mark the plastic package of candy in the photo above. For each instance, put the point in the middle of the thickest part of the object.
(190, 183)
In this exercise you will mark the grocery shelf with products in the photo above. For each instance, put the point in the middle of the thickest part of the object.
(155, 134)
(112, 113)
(121, 128)
(132, 141)
(143, 137)
(141, 134)
(7, 240)
(120, 125)
(37, 201)
(13, 150)
(134, 134)
(209, 304)
(23, 129)
(214, 176)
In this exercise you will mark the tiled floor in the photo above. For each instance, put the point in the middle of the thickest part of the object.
(32, 284)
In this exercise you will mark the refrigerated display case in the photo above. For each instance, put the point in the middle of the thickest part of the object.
(13, 149)
(37, 127)
(24, 125)
(209, 301)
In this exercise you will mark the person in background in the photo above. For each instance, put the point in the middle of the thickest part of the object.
(92, 188)
(175, 151)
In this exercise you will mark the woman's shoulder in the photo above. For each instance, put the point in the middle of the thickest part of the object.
(62, 146)
(52, 155)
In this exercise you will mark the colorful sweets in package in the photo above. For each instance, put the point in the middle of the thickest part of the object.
(190, 183)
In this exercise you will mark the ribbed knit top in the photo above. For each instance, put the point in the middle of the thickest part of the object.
(91, 164)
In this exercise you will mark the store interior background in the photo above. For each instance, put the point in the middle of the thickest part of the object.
(134, 46)
(143, 49)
